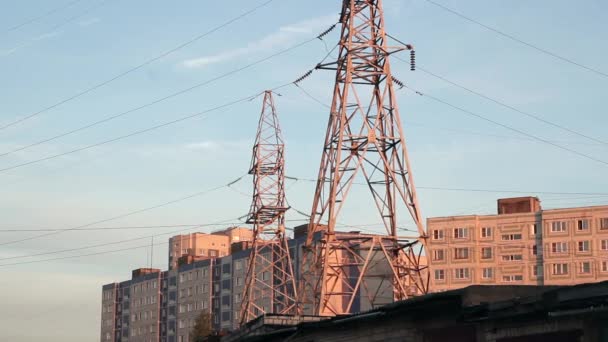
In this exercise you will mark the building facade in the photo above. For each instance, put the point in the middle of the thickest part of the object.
(520, 245)
(206, 275)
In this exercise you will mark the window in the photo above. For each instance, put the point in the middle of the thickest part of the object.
(604, 223)
(461, 233)
(560, 269)
(512, 278)
(238, 265)
(439, 274)
(486, 252)
(534, 250)
(582, 225)
(510, 237)
(486, 232)
(239, 281)
(461, 273)
(536, 270)
(205, 272)
(182, 277)
(488, 273)
(604, 266)
(265, 275)
(583, 246)
(205, 287)
(204, 304)
(604, 245)
(558, 226)
(438, 254)
(461, 253)
(585, 267)
(559, 247)
(512, 257)
(237, 298)
(180, 324)
(190, 307)
(534, 229)
(437, 234)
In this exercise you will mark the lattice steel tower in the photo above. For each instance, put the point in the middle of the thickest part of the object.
(343, 272)
(270, 283)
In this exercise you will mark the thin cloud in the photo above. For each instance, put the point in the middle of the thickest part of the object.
(89, 22)
(281, 37)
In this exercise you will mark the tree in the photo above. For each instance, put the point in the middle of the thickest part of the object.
(202, 328)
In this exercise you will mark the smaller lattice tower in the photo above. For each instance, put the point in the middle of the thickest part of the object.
(270, 283)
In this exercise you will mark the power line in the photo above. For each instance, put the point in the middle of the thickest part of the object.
(62, 23)
(200, 193)
(39, 17)
(508, 127)
(476, 190)
(535, 117)
(25, 230)
(114, 242)
(161, 99)
(83, 255)
(467, 132)
(515, 39)
(139, 66)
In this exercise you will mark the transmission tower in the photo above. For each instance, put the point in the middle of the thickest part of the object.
(345, 272)
(269, 283)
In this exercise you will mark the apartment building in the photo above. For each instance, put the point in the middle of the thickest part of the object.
(521, 244)
(216, 244)
(164, 306)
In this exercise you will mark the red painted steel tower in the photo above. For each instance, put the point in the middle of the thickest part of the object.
(341, 271)
(270, 283)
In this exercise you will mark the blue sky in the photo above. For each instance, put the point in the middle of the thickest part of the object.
(41, 65)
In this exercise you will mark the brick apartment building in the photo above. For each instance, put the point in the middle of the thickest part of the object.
(520, 245)
(206, 274)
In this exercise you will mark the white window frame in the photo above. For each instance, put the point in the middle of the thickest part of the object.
(486, 232)
(457, 254)
(584, 243)
(461, 233)
(487, 273)
(483, 255)
(462, 273)
(560, 269)
(582, 268)
(559, 226)
(438, 234)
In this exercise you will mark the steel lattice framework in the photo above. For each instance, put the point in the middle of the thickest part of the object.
(269, 284)
(364, 138)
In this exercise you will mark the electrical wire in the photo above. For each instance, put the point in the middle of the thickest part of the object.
(42, 16)
(299, 86)
(436, 99)
(116, 242)
(84, 255)
(161, 99)
(475, 190)
(520, 41)
(25, 230)
(139, 66)
(61, 24)
(139, 211)
(535, 117)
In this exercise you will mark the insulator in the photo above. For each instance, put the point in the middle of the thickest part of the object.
(326, 32)
(412, 60)
(398, 82)
(301, 78)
